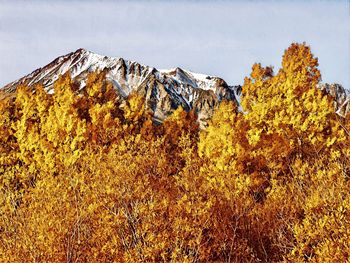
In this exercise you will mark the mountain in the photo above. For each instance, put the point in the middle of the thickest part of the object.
(164, 90)
(340, 96)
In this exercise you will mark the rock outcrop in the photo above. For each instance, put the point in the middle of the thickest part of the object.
(340, 96)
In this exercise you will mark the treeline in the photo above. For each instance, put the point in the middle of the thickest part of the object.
(87, 178)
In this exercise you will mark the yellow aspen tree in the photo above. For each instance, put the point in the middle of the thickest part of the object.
(100, 107)
(65, 130)
(286, 112)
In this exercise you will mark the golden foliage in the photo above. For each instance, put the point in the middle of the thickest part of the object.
(87, 178)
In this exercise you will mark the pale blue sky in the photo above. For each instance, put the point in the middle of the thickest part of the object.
(222, 38)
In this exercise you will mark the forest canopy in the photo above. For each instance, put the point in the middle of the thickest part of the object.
(86, 178)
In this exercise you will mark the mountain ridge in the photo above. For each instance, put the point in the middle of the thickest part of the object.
(164, 90)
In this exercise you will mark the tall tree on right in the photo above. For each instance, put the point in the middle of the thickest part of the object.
(287, 114)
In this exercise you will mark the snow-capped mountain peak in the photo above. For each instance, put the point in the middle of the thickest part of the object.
(164, 90)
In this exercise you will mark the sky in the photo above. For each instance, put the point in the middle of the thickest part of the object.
(220, 38)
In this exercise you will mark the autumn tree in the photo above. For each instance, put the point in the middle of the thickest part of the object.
(287, 111)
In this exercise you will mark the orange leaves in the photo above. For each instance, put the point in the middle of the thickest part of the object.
(134, 108)
(288, 108)
(298, 62)
(179, 124)
(220, 141)
(85, 179)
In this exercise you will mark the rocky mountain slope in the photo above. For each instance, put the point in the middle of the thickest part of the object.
(164, 90)
(340, 96)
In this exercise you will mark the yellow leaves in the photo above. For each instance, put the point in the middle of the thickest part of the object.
(218, 142)
(92, 208)
(325, 211)
(83, 180)
(299, 61)
(330, 141)
(286, 112)
(254, 136)
(134, 107)
(335, 154)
